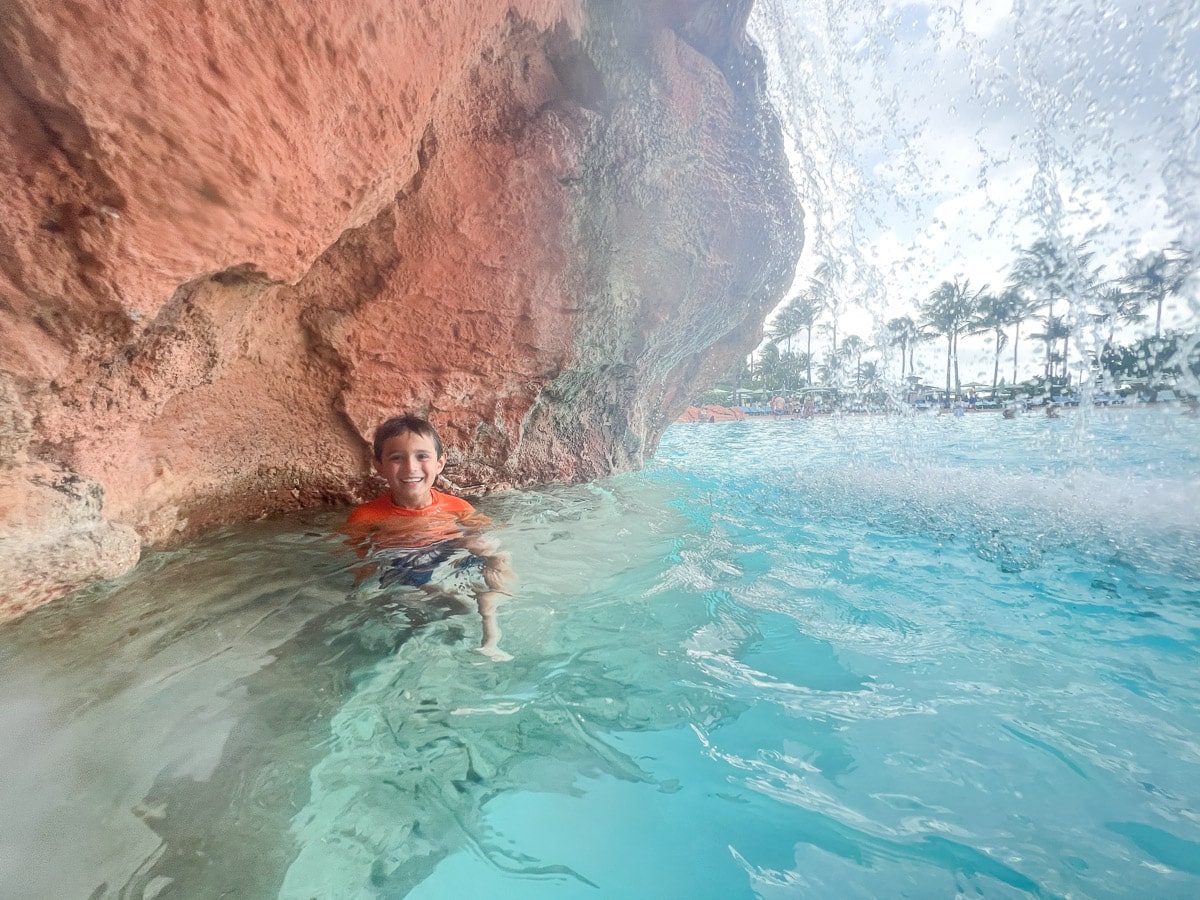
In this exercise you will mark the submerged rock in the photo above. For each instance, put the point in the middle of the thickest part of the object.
(235, 240)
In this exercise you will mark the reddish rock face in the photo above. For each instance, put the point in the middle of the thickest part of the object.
(238, 236)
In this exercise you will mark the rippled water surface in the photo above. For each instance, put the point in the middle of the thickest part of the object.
(857, 657)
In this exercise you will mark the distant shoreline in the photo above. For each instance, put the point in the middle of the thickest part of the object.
(939, 412)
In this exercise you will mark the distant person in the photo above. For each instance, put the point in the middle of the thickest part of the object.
(778, 404)
(410, 531)
(959, 407)
(808, 412)
(1052, 410)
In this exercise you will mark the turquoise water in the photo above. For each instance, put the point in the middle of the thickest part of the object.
(857, 657)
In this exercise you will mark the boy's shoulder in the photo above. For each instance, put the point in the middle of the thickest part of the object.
(450, 503)
(371, 511)
(462, 510)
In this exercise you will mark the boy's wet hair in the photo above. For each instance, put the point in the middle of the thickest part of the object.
(403, 425)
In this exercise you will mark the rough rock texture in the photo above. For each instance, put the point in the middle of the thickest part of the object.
(238, 233)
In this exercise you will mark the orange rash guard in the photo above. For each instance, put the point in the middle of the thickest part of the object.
(382, 508)
(441, 520)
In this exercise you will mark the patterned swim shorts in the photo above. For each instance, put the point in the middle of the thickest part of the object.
(414, 567)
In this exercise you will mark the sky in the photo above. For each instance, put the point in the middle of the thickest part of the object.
(931, 140)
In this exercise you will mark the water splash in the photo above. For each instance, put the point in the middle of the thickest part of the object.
(930, 140)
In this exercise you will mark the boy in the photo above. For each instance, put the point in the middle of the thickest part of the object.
(417, 527)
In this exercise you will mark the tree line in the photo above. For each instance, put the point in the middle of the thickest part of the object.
(1054, 287)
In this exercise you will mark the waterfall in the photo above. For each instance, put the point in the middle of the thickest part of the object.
(935, 140)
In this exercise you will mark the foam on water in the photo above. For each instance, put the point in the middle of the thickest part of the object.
(1038, 486)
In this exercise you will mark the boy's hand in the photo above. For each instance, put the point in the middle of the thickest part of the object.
(498, 574)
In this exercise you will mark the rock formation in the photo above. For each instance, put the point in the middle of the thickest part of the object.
(238, 233)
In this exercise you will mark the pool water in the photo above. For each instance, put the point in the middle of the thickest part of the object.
(841, 657)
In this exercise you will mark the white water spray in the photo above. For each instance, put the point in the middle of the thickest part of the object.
(933, 140)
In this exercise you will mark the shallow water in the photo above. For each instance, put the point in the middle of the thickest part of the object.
(855, 657)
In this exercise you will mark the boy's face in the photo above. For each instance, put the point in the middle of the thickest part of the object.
(410, 465)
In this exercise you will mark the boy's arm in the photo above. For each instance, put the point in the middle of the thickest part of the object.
(498, 580)
(497, 568)
(359, 539)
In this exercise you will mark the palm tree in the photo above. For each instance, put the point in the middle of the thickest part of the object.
(784, 327)
(903, 332)
(801, 363)
(1158, 275)
(1056, 329)
(1116, 306)
(949, 311)
(1119, 307)
(994, 315)
(768, 367)
(1050, 272)
(806, 309)
(1021, 309)
(826, 285)
(853, 347)
(872, 381)
(781, 371)
(830, 369)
